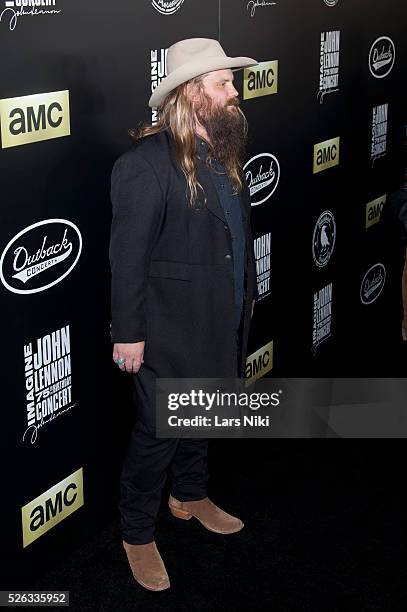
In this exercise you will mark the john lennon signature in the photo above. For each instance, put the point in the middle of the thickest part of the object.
(33, 429)
(253, 4)
(13, 14)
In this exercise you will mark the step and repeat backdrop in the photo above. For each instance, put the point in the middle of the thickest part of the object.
(327, 116)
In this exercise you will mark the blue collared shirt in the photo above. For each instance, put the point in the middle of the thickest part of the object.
(232, 208)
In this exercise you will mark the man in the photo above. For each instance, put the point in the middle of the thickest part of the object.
(183, 281)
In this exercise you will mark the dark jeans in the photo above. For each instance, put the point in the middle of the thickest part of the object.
(148, 461)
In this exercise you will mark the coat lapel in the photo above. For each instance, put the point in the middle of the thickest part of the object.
(212, 199)
(213, 203)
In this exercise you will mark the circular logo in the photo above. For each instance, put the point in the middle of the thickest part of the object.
(382, 56)
(167, 7)
(323, 239)
(372, 283)
(40, 256)
(262, 175)
(331, 2)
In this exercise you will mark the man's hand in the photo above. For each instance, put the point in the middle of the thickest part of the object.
(253, 303)
(131, 355)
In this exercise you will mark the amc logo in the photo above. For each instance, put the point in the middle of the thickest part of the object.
(28, 119)
(259, 363)
(326, 154)
(52, 507)
(374, 211)
(260, 80)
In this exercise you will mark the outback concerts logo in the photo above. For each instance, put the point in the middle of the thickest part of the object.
(331, 2)
(374, 210)
(262, 254)
(322, 325)
(259, 363)
(167, 7)
(382, 56)
(260, 80)
(32, 118)
(158, 62)
(329, 63)
(379, 132)
(326, 155)
(252, 5)
(48, 384)
(323, 239)
(372, 284)
(26, 8)
(40, 256)
(262, 175)
(50, 508)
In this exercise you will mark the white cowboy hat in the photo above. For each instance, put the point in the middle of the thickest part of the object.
(190, 58)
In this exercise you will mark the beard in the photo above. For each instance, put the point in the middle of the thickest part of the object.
(226, 131)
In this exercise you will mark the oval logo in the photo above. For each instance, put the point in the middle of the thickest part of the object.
(167, 7)
(323, 239)
(262, 175)
(40, 256)
(382, 56)
(372, 283)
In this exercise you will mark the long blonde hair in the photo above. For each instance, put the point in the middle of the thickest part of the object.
(176, 114)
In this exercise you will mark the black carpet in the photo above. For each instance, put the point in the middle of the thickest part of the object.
(324, 527)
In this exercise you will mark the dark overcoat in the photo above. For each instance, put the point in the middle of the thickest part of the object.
(172, 266)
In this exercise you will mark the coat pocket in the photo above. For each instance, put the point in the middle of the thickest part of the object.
(171, 269)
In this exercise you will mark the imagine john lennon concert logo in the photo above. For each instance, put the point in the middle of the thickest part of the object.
(158, 62)
(48, 384)
(329, 63)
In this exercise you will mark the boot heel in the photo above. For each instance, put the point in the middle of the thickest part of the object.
(182, 514)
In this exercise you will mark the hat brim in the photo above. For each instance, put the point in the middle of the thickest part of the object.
(193, 69)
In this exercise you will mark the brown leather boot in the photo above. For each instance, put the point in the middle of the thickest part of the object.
(211, 517)
(147, 566)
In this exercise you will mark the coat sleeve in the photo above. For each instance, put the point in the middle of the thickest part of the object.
(137, 205)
